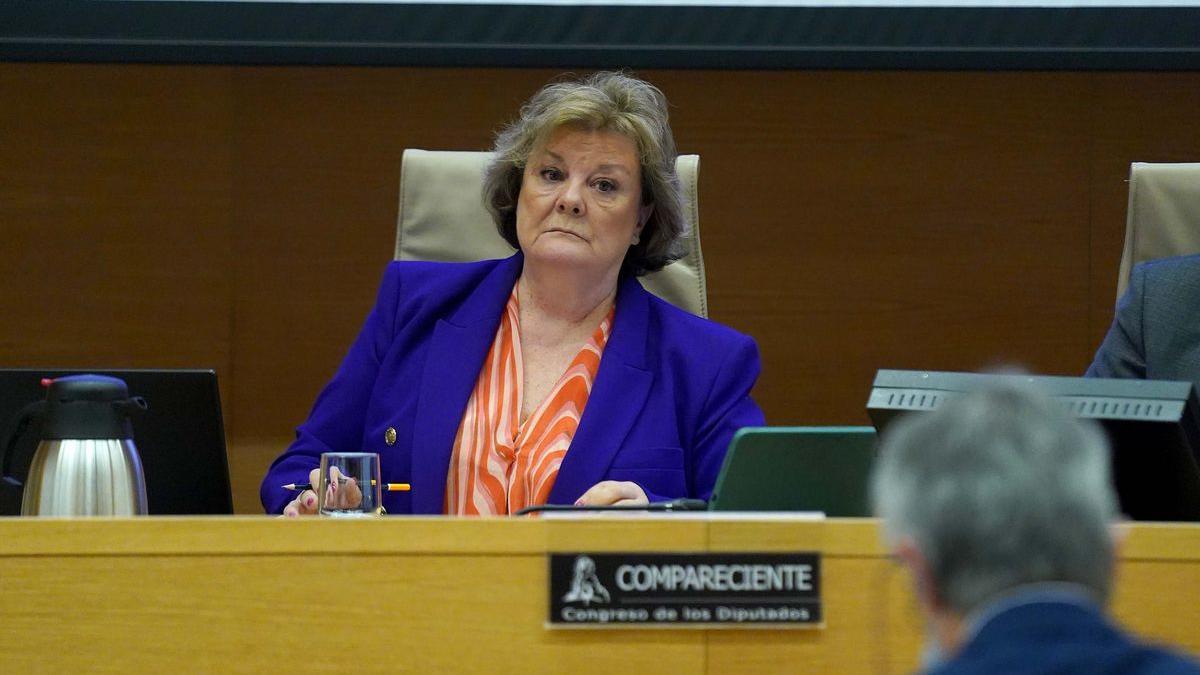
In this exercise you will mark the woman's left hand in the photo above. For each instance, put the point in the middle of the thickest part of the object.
(613, 493)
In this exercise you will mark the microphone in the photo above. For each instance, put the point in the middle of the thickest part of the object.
(681, 504)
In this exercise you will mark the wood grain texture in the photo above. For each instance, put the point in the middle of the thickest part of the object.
(463, 595)
(115, 245)
(385, 614)
(240, 217)
(860, 225)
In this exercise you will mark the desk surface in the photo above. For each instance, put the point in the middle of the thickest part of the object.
(464, 595)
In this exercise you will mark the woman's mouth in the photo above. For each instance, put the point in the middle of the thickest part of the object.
(562, 231)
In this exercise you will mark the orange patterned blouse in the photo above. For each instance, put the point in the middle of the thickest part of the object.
(499, 465)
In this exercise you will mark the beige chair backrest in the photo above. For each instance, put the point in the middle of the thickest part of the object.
(442, 217)
(1163, 219)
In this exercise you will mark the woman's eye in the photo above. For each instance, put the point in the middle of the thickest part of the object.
(605, 185)
(551, 174)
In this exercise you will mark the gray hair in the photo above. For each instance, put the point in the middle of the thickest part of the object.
(997, 488)
(605, 101)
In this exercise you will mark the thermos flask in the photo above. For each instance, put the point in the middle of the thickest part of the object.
(86, 463)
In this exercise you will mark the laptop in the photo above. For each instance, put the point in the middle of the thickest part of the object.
(180, 439)
(822, 469)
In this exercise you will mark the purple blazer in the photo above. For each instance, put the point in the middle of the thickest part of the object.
(671, 390)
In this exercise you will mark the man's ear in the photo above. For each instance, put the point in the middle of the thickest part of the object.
(910, 555)
(1119, 531)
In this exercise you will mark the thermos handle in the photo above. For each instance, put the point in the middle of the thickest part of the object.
(134, 405)
(27, 414)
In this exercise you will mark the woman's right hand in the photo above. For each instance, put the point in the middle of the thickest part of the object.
(305, 503)
(342, 493)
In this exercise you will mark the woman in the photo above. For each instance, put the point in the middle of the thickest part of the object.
(551, 376)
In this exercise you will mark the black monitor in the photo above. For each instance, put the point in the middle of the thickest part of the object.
(1153, 426)
(180, 439)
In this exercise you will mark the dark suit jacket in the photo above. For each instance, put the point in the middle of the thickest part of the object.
(1041, 638)
(671, 390)
(1156, 332)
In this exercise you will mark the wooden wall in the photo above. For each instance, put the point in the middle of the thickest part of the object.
(239, 218)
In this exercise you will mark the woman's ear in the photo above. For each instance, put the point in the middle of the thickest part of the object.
(644, 212)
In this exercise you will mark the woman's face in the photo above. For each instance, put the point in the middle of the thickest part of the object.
(581, 201)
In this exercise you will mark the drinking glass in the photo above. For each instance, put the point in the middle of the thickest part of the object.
(350, 485)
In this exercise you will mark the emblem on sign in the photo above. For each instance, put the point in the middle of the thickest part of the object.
(586, 587)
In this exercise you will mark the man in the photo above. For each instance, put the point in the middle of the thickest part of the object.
(1000, 506)
(1155, 333)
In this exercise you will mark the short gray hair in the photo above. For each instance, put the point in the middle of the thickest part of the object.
(605, 101)
(997, 488)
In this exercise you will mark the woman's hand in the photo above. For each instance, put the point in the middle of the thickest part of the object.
(342, 493)
(305, 503)
(613, 493)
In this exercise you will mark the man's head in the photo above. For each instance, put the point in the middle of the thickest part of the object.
(996, 489)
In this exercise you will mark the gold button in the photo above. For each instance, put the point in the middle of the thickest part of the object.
(389, 436)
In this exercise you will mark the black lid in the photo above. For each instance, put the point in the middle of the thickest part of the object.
(89, 407)
(87, 388)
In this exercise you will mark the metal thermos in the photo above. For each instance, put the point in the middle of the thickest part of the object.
(86, 463)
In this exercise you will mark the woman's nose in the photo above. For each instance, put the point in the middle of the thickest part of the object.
(570, 200)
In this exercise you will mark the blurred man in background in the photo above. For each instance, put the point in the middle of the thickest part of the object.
(1000, 506)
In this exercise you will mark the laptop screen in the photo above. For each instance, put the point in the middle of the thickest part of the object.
(180, 439)
(816, 469)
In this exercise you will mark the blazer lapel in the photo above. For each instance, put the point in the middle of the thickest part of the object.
(618, 394)
(455, 354)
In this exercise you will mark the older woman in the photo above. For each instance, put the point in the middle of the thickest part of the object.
(551, 376)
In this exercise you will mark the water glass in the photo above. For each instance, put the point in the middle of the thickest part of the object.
(350, 485)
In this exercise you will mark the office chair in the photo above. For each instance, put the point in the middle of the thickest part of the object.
(1163, 218)
(442, 217)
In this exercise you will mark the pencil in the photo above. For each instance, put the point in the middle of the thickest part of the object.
(388, 487)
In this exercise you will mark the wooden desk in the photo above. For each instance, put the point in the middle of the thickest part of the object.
(464, 596)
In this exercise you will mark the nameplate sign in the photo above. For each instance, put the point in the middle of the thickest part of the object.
(701, 590)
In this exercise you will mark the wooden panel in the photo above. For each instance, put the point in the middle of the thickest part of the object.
(865, 631)
(850, 225)
(115, 216)
(240, 217)
(1157, 590)
(145, 613)
(463, 595)
(425, 595)
(1159, 599)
